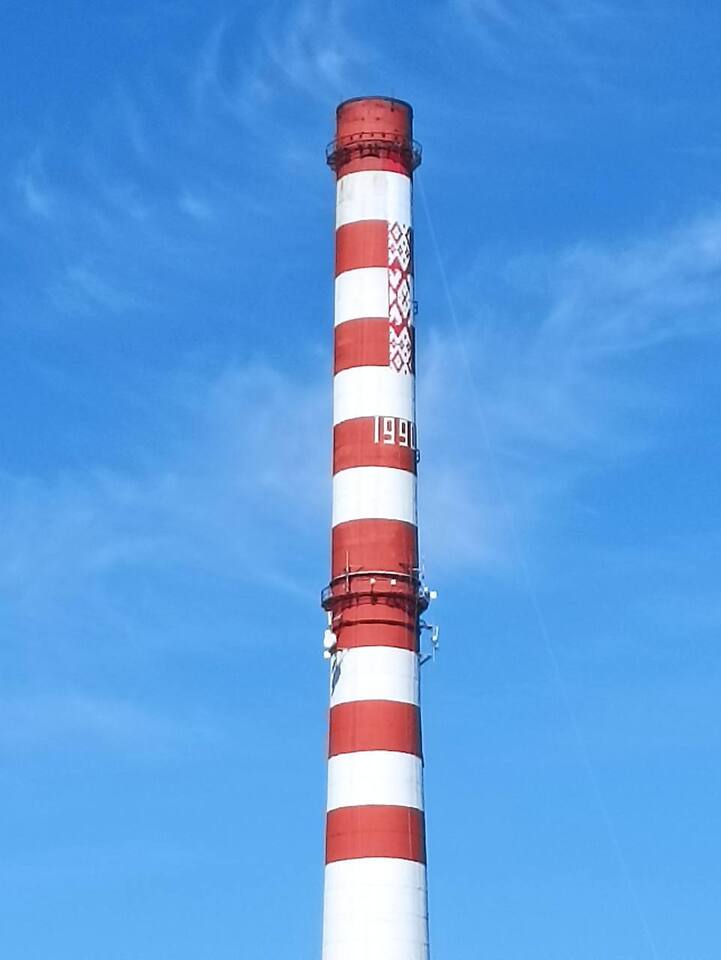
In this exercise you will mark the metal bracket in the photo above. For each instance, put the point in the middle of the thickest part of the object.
(434, 631)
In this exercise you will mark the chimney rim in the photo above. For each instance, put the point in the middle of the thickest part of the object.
(396, 101)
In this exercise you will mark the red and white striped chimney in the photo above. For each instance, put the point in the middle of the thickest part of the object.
(375, 878)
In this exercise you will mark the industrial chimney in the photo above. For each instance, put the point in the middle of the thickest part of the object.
(375, 905)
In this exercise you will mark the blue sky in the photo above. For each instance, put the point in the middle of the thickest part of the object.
(165, 314)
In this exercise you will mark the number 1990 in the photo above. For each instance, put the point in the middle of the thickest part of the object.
(394, 430)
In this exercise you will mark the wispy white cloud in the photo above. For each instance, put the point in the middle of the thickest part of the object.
(518, 38)
(133, 123)
(636, 295)
(38, 721)
(83, 291)
(244, 474)
(546, 402)
(195, 206)
(205, 78)
(305, 48)
(543, 17)
(313, 50)
(123, 199)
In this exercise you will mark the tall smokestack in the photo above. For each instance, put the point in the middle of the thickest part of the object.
(375, 878)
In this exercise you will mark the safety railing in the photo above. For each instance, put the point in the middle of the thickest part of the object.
(382, 144)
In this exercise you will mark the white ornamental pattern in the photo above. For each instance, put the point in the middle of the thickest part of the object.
(400, 298)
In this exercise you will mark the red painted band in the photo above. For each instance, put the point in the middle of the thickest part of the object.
(365, 443)
(366, 633)
(366, 343)
(375, 831)
(375, 725)
(374, 545)
(362, 343)
(363, 243)
(357, 165)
